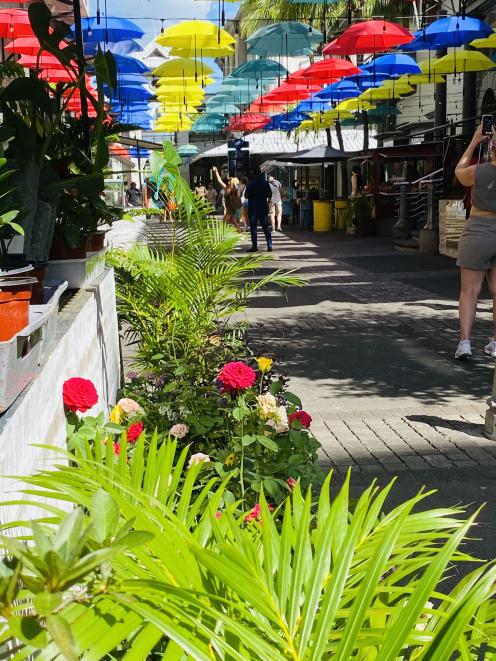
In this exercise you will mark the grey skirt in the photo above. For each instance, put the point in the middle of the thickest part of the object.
(477, 244)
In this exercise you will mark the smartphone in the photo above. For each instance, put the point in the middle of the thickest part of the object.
(487, 124)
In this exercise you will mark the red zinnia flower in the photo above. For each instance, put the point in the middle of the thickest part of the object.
(134, 431)
(302, 416)
(236, 376)
(79, 394)
(291, 482)
(117, 449)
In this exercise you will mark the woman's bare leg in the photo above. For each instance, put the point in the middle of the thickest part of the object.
(491, 281)
(471, 283)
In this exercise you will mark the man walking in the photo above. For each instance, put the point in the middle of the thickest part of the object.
(258, 193)
(275, 204)
(133, 196)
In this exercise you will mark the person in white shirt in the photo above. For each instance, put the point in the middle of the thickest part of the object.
(275, 205)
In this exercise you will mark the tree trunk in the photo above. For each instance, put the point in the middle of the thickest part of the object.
(329, 137)
(344, 164)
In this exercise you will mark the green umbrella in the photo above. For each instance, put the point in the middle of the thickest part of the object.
(284, 38)
(263, 69)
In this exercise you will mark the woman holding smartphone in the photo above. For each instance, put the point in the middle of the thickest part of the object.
(477, 245)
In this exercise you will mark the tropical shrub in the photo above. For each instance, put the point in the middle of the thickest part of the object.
(143, 570)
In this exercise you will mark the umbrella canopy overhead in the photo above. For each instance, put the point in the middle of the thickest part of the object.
(183, 67)
(124, 47)
(487, 42)
(249, 121)
(284, 38)
(393, 64)
(263, 68)
(422, 79)
(329, 70)
(453, 31)
(197, 38)
(127, 64)
(460, 61)
(187, 150)
(372, 36)
(108, 29)
(354, 105)
(344, 89)
(15, 23)
(24, 46)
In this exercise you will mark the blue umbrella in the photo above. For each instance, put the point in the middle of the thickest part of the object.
(367, 80)
(453, 31)
(126, 64)
(417, 44)
(313, 104)
(127, 93)
(109, 29)
(344, 89)
(393, 64)
(142, 153)
(121, 47)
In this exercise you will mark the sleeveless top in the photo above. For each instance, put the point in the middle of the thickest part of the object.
(484, 188)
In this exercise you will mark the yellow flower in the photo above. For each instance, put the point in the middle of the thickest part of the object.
(215, 340)
(264, 364)
(116, 414)
(230, 459)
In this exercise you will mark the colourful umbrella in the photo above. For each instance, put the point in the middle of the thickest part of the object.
(14, 23)
(192, 38)
(125, 47)
(487, 42)
(24, 46)
(422, 79)
(354, 105)
(249, 121)
(284, 38)
(108, 29)
(45, 61)
(453, 31)
(344, 89)
(369, 37)
(460, 61)
(181, 66)
(393, 64)
(329, 70)
(263, 68)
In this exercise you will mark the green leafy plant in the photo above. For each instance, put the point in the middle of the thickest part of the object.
(9, 213)
(309, 581)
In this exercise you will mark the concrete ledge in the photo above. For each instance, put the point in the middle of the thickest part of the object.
(87, 345)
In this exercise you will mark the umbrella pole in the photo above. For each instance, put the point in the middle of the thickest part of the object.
(78, 33)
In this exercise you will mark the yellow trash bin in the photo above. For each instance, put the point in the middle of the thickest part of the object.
(341, 213)
(322, 215)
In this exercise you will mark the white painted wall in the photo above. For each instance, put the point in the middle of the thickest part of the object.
(87, 345)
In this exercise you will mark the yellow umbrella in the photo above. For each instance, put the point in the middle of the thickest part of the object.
(170, 106)
(205, 51)
(187, 79)
(350, 105)
(194, 92)
(378, 94)
(179, 82)
(421, 79)
(462, 60)
(182, 66)
(401, 88)
(488, 42)
(195, 36)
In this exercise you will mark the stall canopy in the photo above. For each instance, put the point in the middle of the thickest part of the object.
(315, 156)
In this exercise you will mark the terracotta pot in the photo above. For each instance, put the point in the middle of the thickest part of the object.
(96, 241)
(15, 295)
(61, 250)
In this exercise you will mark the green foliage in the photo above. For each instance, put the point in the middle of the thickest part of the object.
(184, 572)
(9, 212)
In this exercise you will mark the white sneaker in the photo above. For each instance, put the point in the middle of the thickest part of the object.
(464, 350)
(490, 348)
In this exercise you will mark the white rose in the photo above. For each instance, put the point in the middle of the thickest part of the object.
(280, 421)
(179, 430)
(130, 406)
(267, 405)
(198, 458)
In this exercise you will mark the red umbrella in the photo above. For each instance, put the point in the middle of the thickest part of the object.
(58, 75)
(24, 46)
(288, 92)
(14, 23)
(45, 61)
(369, 37)
(327, 71)
(249, 121)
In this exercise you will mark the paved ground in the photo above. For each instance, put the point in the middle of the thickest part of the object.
(368, 342)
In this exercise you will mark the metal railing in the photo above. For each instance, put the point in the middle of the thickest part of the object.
(418, 208)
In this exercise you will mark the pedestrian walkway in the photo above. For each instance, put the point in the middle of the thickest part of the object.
(368, 344)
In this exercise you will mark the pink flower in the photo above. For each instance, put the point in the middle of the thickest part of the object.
(291, 482)
(130, 406)
(218, 515)
(303, 418)
(253, 514)
(79, 394)
(198, 458)
(134, 431)
(117, 449)
(236, 376)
